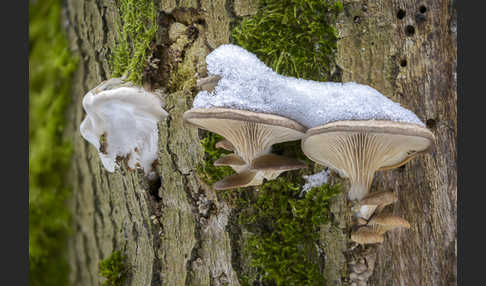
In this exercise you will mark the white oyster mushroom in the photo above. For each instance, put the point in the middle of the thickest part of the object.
(250, 135)
(121, 121)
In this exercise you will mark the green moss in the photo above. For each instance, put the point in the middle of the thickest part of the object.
(294, 37)
(114, 269)
(207, 171)
(50, 67)
(138, 28)
(284, 248)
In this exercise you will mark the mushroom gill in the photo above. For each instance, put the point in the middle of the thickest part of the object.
(357, 149)
(250, 135)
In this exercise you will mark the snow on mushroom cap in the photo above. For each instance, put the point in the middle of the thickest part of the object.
(125, 118)
(248, 84)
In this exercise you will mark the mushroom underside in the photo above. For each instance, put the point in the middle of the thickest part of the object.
(250, 136)
(358, 155)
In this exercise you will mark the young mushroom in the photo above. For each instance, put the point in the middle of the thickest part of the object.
(375, 201)
(383, 223)
(250, 135)
(121, 122)
(366, 235)
(359, 148)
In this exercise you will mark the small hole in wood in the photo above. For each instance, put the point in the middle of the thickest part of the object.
(431, 123)
(356, 19)
(401, 14)
(423, 9)
(403, 63)
(409, 30)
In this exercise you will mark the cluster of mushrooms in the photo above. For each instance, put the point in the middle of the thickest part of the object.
(354, 148)
(122, 121)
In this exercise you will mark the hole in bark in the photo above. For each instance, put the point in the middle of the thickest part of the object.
(409, 30)
(403, 63)
(423, 9)
(431, 123)
(401, 14)
(356, 19)
(401, 168)
(372, 43)
(154, 186)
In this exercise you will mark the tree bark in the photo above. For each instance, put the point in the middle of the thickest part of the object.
(412, 61)
(167, 232)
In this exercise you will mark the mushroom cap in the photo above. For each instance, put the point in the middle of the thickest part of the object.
(230, 160)
(225, 144)
(389, 221)
(276, 163)
(243, 179)
(382, 198)
(399, 141)
(251, 133)
(205, 117)
(366, 235)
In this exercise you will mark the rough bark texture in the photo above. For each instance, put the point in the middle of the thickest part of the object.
(417, 69)
(181, 233)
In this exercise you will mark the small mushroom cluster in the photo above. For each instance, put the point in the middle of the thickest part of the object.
(357, 149)
(375, 223)
(354, 148)
(250, 135)
(350, 128)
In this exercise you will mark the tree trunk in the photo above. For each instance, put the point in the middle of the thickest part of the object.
(412, 59)
(167, 232)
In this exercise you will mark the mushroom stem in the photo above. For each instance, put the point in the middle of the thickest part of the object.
(359, 155)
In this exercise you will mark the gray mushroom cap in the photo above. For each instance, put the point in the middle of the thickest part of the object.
(250, 135)
(385, 222)
(366, 235)
(375, 202)
(357, 149)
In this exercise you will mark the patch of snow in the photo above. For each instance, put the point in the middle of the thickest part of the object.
(127, 117)
(315, 180)
(248, 84)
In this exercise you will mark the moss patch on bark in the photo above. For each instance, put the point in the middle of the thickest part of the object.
(294, 37)
(114, 269)
(137, 31)
(50, 67)
(207, 171)
(286, 249)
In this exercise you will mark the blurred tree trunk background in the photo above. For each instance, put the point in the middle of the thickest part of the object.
(182, 232)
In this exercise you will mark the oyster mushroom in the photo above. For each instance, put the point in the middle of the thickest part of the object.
(357, 149)
(250, 135)
(383, 223)
(375, 201)
(225, 144)
(121, 121)
(366, 235)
